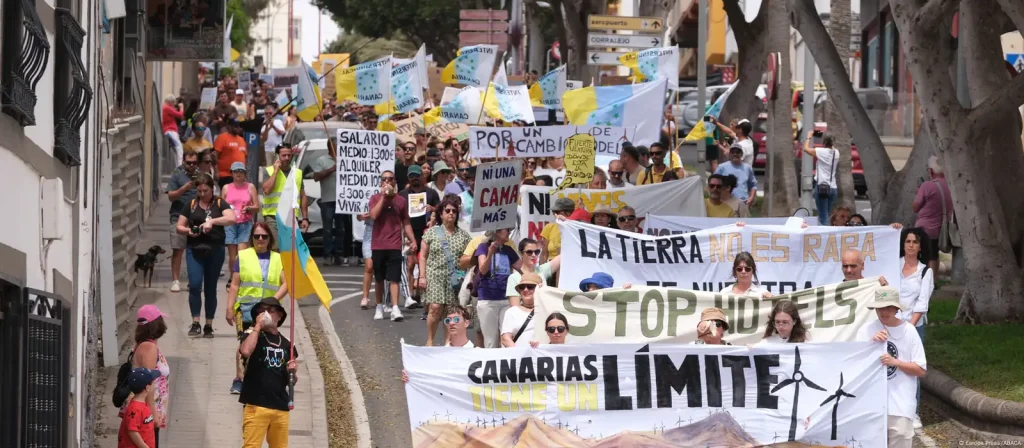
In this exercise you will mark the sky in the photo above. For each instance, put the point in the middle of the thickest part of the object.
(329, 31)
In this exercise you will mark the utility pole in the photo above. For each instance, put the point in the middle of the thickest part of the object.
(291, 5)
(702, 82)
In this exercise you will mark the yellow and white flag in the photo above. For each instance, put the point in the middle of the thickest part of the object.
(654, 63)
(472, 67)
(368, 83)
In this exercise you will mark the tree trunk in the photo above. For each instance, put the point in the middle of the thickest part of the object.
(994, 278)
(839, 29)
(750, 39)
(780, 116)
(563, 39)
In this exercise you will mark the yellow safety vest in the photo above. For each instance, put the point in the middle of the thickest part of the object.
(270, 200)
(253, 286)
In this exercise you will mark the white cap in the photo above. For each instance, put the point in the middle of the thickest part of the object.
(239, 92)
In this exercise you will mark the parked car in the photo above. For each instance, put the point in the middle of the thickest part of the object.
(315, 130)
(309, 151)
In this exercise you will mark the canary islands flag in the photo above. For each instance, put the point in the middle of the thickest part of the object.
(548, 90)
(406, 92)
(508, 103)
(464, 108)
(654, 63)
(300, 270)
(368, 83)
(628, 106)
(472, 67)
(703, 131)
(308, 98)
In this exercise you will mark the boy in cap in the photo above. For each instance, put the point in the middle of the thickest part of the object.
(137, 425)
(712, 327)
(904, 362)
(267, 376)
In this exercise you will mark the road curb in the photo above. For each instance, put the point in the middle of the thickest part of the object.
(971, 408)
(321, 439)
(348, 373)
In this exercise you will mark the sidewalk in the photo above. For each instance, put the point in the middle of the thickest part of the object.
(201, 412)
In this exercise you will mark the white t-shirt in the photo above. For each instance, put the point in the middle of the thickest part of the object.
(514, 318)
(748, 150)
(825, 165)
(916, 292)
(273, 138)
(469, 344)
(753, 291)
(904, 344)
(612, 186)
(556, 175)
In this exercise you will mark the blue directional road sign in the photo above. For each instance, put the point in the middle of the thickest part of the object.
(1017, 60)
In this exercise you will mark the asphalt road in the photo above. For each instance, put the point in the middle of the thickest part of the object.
(376, 354)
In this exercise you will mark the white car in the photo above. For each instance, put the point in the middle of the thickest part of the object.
(308, 152)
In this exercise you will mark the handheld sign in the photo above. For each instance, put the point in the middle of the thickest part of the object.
(579, 160)
(497, 195)
(362, 157)
(208, 98)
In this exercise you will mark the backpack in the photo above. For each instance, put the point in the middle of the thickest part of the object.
(121, 391)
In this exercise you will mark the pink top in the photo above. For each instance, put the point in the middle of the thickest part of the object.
(929, 217)
(238, 198)
(168, 118)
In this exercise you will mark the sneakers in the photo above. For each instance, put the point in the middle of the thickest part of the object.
(411, 303)
(175, 286)
(340, 261)
(379, 313)
(208, 331)
(917, 422)
(396, 315)
(387, 308)
(195, 330)
(236, 387)
(365, 303)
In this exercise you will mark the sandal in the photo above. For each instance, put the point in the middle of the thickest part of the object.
(365, 303)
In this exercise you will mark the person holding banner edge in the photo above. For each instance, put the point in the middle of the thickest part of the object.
(712, 327)
(557, 327)
(785, 325)
(495, 262)
(744, 270)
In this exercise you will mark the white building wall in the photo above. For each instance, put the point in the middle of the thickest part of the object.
(270, 32)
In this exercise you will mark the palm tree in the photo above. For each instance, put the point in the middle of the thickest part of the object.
(839, 394)
(797, 378)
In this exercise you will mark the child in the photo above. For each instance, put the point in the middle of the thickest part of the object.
(137, 429)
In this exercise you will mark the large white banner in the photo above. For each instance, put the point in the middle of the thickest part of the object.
(497, 195)
(632, 395)
(362, 157)
(682, 197)
(542, 141)
(649, 314)
(788, 259)
(660, 225)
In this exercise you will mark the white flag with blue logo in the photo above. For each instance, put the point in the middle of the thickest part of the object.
(653, 63)
(548, 90)
(472, 67)
(406, 90)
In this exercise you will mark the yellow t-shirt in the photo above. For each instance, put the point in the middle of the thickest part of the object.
(722, 210)
(553, 235)
(475, 242)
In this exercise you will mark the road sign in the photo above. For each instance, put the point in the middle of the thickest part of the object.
(481, 38)
(495, 25)
(603, 58)
(483, 14)
(647, 24)
(601, 40)
(1017, 61)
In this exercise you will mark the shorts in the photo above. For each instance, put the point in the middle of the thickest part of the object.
(367, 237)
(932, 251)
(238, 233)
(387, 265)
(178, 241)
(711, 154)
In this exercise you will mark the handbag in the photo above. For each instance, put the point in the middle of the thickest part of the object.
(455, 275)
(121, 391)
(825, 188)
(949, 233)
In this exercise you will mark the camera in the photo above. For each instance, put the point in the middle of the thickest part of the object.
(196, 230)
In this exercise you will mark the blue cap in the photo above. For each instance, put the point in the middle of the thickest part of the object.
(599, 279)
(238, 166)
(140, 377)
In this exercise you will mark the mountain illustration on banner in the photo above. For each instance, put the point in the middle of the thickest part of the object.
(718, 429)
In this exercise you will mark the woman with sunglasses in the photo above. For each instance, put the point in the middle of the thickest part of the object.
(438, 261)
(257, 274)
(208, 166)
(243, 199)
(517, 325)
(785, 325)
(203, 220)
(529, 250)
(529, 165)
(745, 272)
(857, 220)
(199, 141)
(557, 328)
(840, 215)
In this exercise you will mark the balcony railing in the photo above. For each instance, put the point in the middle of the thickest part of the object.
(72, 93)
(25, 54)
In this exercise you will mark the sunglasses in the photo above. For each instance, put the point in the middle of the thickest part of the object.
(744, 269)
(532, 252)
(239, 171)
(388, 179)
(627, 218)
(854, 224)
(714, 186)
(452, 320)
(450, 210)
(527, 287)
(657, 154)
(615, 173)
(465, 170)
(558, 329)
(261, 236)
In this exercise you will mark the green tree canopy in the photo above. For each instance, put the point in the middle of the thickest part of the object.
(352, 43)
(431, 22)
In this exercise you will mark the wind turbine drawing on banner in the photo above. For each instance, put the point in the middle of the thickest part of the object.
(838, 395)
(797, 378)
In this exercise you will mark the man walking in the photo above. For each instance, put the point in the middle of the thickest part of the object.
(462, 179)
(745, 179)
(390, 214)
(272, 187)
(630, 158)
(904, 361)
(181, 190)
(335, 226)
(406, 157)
(716, 208)
(654, 173)
(933, 198)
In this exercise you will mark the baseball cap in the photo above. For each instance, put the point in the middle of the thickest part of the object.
(140, 377)
(239, 92)
(421, 131)
(149, 313)
(884, 297)
(238, 166)
(433, 152)
(440, 166)
(735, 148)
(414, 170)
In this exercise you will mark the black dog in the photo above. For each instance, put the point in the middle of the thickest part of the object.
(145, 263)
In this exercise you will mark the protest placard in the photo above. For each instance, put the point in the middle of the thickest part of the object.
(788, 259)
(267, 78)
(641, 314)
(657, 395)
(405, 130)
(362, 157)
(543, 141)
(417, 204)
(682, 197)
(208, 98)
(579, 160)
(496, 195)
(286, 76)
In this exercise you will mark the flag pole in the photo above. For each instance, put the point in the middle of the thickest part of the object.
(291, 314)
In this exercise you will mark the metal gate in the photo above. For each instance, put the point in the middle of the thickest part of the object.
(35, 345)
